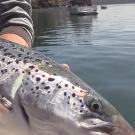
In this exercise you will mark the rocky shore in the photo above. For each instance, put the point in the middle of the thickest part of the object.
(48, 3)
(59, 3)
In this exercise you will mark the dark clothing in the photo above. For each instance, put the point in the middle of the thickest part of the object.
(15, 18)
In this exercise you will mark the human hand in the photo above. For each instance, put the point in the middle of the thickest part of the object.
(3, 109)
(66, 66)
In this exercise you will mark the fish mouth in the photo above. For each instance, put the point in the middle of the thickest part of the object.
(96, 125)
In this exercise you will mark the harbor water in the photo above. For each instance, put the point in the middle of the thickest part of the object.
(99, 49)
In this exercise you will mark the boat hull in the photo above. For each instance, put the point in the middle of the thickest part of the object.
(83, 10)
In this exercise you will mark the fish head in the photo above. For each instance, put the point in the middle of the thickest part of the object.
(55, 101)
(103, 118)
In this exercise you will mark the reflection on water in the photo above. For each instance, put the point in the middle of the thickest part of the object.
(59, 28)
(81, 24)
(100, 49)
(48, 19)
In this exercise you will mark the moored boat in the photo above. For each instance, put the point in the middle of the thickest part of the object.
(103, 7)
(82, 8)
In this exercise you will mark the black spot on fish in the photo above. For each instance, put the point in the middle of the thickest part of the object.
(13, 69)
(1, 85)
(16, 70)
(66, 85)
(81, 111)
(5, 50)
(29, 73)
(46, 87)
(73, 95)
(59, 87)
(24, 61)
(38, 79)
(65, 93)
(28, 53)
(3, 71)
(51, 79)
(48, 92)
(82, 105)
(12, 56)
(23, 72)
(37, 87)
(47, 63)
(74, 103)
(21, 49)
(68, 97)
(31, 67)
(3, 59)
(80, 100)
(6, 54)
(43, 75)
(73, 87)
(76, 83)
(37, 95)
(32, 89)
(19, 55)
(68, 102)
(1, 47)
(37, 60)
(9, 62)
(27, 57)
(36, 70)
(17, 61)
(43, 83)
(26, 83)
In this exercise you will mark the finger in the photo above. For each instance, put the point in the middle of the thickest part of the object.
(66, 66)
(3, 109)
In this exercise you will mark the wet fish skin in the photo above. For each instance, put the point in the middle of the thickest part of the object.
(51, 100)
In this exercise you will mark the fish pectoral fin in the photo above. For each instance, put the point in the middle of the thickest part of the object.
(9, 86)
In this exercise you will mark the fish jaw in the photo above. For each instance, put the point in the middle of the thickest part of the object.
(112, 122)
(95, 126)
(123, 127)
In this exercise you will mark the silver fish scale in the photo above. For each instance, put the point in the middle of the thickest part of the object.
(40, 88)
(11, 61)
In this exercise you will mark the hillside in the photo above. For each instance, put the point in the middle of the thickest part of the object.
(57, 3)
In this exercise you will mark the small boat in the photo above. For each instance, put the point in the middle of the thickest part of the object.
(103, 7)
(82, 8)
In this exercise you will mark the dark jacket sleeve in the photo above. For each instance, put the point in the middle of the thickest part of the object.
(16, 13)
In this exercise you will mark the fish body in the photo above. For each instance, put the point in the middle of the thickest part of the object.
(49, 100)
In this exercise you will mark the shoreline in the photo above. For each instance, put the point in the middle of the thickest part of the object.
(53, 7)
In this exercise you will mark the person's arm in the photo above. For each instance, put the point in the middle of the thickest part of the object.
(16, 25)
(15, 21)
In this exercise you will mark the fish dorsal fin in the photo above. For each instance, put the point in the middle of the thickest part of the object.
(9, 86)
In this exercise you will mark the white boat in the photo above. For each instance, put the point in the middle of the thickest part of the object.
(103, 7)
(82, 9)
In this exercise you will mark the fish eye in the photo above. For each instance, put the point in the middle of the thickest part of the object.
(96, 105)
(93, 104)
